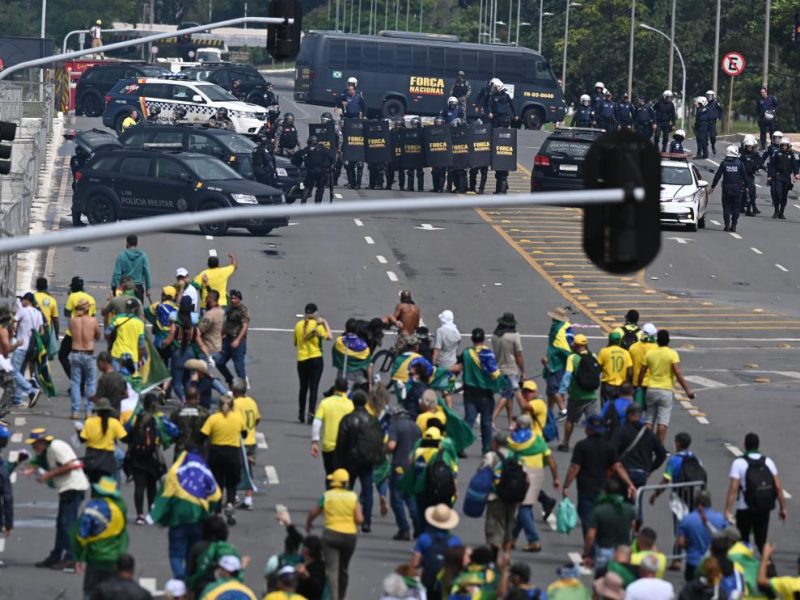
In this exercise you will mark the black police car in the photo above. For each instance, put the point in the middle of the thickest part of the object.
(234, 149)
(559, 163)
(97, 81)
(223, 75)
(124, 184)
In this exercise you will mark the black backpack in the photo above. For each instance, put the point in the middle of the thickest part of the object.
(144, 438)
(513, 484)
(611, 419)
(692, 470)
(440, 483)
(630, 336)
(760, 492)
(433, 560)
(588, 373)
(370, 442)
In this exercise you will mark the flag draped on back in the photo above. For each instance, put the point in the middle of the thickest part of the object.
(456, 429)
(187, 494)
(480, 370)
(37, 354)
(350, 353)
(152, 373)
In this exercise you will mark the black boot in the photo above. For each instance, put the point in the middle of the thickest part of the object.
(755, 210)
(733, 228)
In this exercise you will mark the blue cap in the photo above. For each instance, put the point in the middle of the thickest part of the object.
(596, 424)
(5, 433)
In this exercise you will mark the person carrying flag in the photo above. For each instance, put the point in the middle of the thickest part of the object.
(228, 584)
(351, 353)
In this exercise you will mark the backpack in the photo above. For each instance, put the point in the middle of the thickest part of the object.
(613, 419)
(630, 336)
(370, 442)
(759, 487)
(692, 470)
(144, 437)
(587, 375)
(550, 427)
(440, 483)
(433, 560)
(513, 484)
(477, 491)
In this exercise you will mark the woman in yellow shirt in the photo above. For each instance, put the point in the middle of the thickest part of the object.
(343, 515)
(100, 433)
(307, 337)
(225, 431)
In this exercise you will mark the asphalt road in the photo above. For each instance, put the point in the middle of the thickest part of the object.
(742, 363)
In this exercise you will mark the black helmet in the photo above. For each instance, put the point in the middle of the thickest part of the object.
(268, 84)
(222, 111)
(438, 121)
(312, 140)
(155, 111)
(325, 117)
(289, 117)
(179, 112)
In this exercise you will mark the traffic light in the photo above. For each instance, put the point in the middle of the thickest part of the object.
(283, 41)
(623, 238)
(8, 132)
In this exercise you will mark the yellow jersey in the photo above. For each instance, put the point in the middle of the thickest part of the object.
(224, 430)
(339, 507)
(331, 411)
(92, 433)
(308, 336)
(615, 362)
(48, 305)
(638, 351)
(216, 279)
(129, 336)
(659, 367)
(75, 297)
(248, 410)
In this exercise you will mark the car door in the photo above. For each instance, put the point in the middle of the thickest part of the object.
(221, 77)
(186, 96)
(133, 185)
(158, 95)
(205, 144)
(174, 183)
(702, 204)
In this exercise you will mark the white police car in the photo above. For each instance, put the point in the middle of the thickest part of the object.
(200, 99)
(684, 195)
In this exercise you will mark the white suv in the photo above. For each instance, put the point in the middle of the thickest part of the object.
(684, 195)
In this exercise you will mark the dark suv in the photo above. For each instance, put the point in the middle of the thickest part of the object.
(559, 163)
(233, 149)
(224, 74)
(97, 81)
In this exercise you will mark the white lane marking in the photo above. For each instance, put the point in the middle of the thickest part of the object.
(681, 240)
(358, 222)
(756, 250)
(20, 421)
(758, 186)
(735, 235)
(717, 223)
(797, 205)
(702, 420)
(391, 275)
(369, 240)
(16, 438)
(148, 583)
(782, 268)
(381, 259)
(2, 544)
(212, 252)
(686, 404)
(787, 495)
(209, 237)
(429, 227)
(734, 450)
(704, 382)
(261, 441)
(272, 475)
(337, 196)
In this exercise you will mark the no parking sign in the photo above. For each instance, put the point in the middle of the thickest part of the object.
(733, 64)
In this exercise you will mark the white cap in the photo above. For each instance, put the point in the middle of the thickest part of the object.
(287, 570)
(181, 272)
(230, 563)
(649, 329)
(175, 588)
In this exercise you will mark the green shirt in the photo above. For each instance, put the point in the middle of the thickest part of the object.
(576, 392)
(612, 519)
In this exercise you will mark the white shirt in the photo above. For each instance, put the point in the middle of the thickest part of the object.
(60, 453)
(447, 341)
(191, 292)
(650, 588)
(739, 472)
(28, 319)
(95, 32)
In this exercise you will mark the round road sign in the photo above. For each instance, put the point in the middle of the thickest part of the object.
(733, 64)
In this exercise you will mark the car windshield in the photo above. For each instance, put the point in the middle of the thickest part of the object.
(216, 93)
(154, 71)
(572, 149)
(236, 143)
(675, 175)
(210, 168)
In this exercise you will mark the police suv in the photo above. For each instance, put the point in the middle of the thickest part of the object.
(200, 99)
(684, 194)
(128, 183)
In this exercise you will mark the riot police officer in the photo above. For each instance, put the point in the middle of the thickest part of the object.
(318, 163)
(377, 170)
(676, 145)
(664, 111)
(221, 120)
(153, 115)
(264, 167)
(625, 112)
(701, 126)
(782, 166)
(748, 154)
(501, 106)
(461, 90)
(393, 167)
(474, 186)
(767, 107)
(420, 173)
(438, 174)
(481, 103)
(584, 115)
(607, 112)
(714, 115)
(287, 140)
(336, 170)
(179, 116)
(452, 111)
(598, 95)
(734, 180)
(351, 102)
(644, 119)
(236, 89)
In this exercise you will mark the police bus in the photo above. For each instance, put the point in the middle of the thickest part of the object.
(400, 72)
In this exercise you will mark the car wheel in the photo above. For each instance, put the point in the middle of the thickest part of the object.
(100, 209)
(259, 229)
(533, 119)
(91, 105)
(701, 222)
(392, 108)
(213, 228)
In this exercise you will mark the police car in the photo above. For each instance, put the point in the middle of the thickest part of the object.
(126, 184)
(684, 194)
(200, 99)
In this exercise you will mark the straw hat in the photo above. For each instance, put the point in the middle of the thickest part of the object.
(195, 364)
(559, 314)
(441, 516)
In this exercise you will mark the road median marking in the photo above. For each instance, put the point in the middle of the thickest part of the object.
(369, 240)
(381, 259)
(358, 222)
(272, 475)
(261, 441)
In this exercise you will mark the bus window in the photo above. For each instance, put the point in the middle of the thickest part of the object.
(420, 58)
(354, 55)
(529, 67)
(469, 63)
(386, 56)
(337, 54)
(452, 61)
(369, 55)
(486, 65)
(507, 67)
(436, 57)
(544, 75)
(403, 57)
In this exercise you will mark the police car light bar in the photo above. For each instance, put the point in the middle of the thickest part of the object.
(162, 146)
(580, 129)
(675, 155)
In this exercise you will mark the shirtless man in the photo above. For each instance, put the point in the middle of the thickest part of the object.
(406, 315)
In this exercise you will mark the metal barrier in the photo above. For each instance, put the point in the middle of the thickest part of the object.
(639, 506)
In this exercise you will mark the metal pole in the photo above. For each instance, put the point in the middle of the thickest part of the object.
(480, 20)
(564, 58)
(397, 15)
(765, 71)
(420, 16)
(152, 19)
(44, 19)
(352, 11)
(210, 8)
(47, 60)
(519, 8)
(508, 23)
(730, 104)
(683, 67)
(494, 21)
(358, 20)
(671, 45)
(715, 78)
(337, 15)
(67, 237)
(541, 7)
(408, 12)
(630, 50)
(386, 14)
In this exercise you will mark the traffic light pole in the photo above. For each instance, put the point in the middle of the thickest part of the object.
(48, 60)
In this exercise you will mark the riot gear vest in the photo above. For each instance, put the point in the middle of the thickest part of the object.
(644, 115)
(288, 137)
(584, 116)
(607, 110)
(460, 88)
(782, 164)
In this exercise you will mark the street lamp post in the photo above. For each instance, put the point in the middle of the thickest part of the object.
(683, 66)
(715, 78)
(523, 24)
(765, 68)
(630, 50)
(566, 41)
(671, 45)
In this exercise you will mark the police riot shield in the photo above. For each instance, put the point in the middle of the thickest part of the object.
(480, 151)
(376, 136)
(412, 148)
(437, 146)
(326, 134)
(504, 149)
(397, 148)
(353, 142)
(460, 137)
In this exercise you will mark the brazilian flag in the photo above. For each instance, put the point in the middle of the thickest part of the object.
(152, 373)
(350, 354)
(526, 443)
(476, 376)
(746, 561)
(188, 492)
(456, 429)
(37, 356)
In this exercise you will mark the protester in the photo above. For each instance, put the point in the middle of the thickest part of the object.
(637, 447)
(216, 278)
(580, 390)
(100, 433)
(228, 583)
(330, 413)
(190, 419)
(135, 264)
(110, 385)
(309, 334)
(432, 544)
(695, 531)
(609, 525)
(649, 586)
(507, 347)
(122, 585)
(84, 331)
(402, 435)
(144, 461)
(234, 339)
(645, 545)
(248, 409)
(559, 346)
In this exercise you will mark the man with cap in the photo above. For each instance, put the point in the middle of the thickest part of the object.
(126, 337)
(161, 315)
(287, 585)
(101, 536)
(617, 367)
(228, 584)
(175, 589)
(433, 543)
(234, 339)
(185, 287)
(637, 446)
(85, 331)
(581, 401)
(638, 351)
(123, 586)
(559, 347)
(59, 467)
(29, 320)
(534, 406)
(507, 346)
